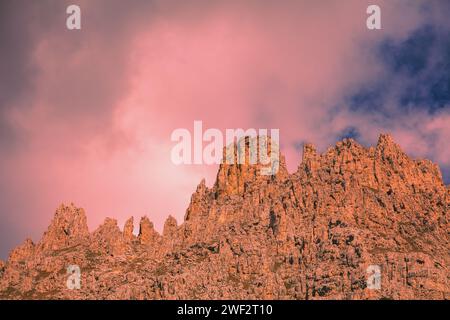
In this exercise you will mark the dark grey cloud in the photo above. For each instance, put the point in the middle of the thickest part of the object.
(82, 92)
(416, 78)
(16, 69)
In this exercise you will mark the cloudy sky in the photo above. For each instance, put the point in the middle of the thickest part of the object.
(86, 116)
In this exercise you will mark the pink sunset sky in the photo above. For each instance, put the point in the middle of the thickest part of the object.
(86, 116)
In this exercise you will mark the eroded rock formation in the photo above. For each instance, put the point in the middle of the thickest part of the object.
(311, 234)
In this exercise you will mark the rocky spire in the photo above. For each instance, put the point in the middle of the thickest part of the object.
(170, 227)
(309, 151)
(147, 233)
(242, 167)
(197, 205)
(68, 226)
(108, 238)
(310, 157)
(128, 230)
(388, 150)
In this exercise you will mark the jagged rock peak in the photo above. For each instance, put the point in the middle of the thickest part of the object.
(201, 188)
(243, 165)
(170, 227)
(309, 151)
(348, 143)
(147, 233)
(386, 147)
(386, 139)
(68, 225)
(128, 229)
(108, 238)
(198, 199)
(310, 158)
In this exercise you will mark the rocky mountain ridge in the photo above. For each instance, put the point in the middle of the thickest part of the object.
(312, 234)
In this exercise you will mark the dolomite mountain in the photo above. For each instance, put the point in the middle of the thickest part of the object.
(311, 234)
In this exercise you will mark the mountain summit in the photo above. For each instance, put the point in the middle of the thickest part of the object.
(318, 233)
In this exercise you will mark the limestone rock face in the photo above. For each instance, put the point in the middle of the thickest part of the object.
(344, 218)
